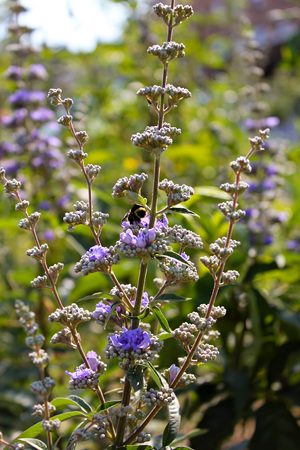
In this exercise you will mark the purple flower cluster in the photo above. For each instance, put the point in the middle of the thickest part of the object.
(142, 240)
(131, 339)
(97, 253)
(82, 372)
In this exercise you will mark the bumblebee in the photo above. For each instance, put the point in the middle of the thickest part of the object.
(135, 215)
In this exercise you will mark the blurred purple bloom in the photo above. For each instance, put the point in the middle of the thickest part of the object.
(14, 120)
(49, 235)
(293, 245)
(173, 371)
(10, 148)
(97, 253)
(45, 205)
(53, 141)
(11, 167)
(42, 114)
(268, 239)
(281, 217)
(254, 213)
(37, 72)
(268, 122)
(63, 201)
(101, 310)
(131, 339)
(268, 184)
(21, 97)
(14, 73)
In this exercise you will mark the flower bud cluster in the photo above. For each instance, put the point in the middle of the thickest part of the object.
(92, 171)
(185, 333)
(177, 272)
(63, 337)
(229, 277)
(55, 96)
(132, 347)
(99, 219)
(210, 335)
(163, 397)
(152, 94)
(97, 259)
(201, 323)
(40, 358)
(211, 262)
(155, 140)
(43, 388)
(231, 213)
(168, 51)
(70, 315)
(12, 186)
(222, 251)
(26, 318)
(233, 189)
(241, 164)
(39, 282)
(185, 380)
(176, 94)
(82, 137)
(79, 217)
(51, 425)
(176, 193)
(30, 222)
(81, 434)
(66, 121)
(55, 271)
(185, 238)
(258, 142)
(22, 207)
(134, 183)
(205, 352)
(35, 341)
(77, 155)
(178, 14)
(38, 253)
(39, 409)
(216, 311)
(143, 437)
(101, 424)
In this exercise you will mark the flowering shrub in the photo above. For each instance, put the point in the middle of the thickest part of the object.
(136, 341)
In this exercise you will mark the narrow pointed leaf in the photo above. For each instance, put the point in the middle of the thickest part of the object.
(108, 405)
(35, 443)
(172, 429)
(171, 298)
(161, 318)
(144, 314)
(81, 403)
(173, 255)
(181, 210)
(157, 377)
(164, 336)
(95, 296)
(136, 198)
(56, 442)
(112, 310)
(131, 447)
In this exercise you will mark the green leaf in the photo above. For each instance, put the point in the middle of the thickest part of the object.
(73, 400)
(134, 197)
(164, 336)
(56, 442)
(157, 377)
(171, 298)
(35, 443)
(112, 310)
(145, 313)
(136, 378)
(211, 192)
(37, 428)
(172, 428)
(108, 405)
(95, 296)
(173, 255)
(276, 428)
(81, 403)
(181, 210)
(161, 318)
(189, 435)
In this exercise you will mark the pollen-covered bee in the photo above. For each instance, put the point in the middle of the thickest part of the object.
(135, 215)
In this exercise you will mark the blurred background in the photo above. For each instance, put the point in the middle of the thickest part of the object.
(242, 66)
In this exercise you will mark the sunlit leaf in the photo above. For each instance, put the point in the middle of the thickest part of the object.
(35, 443)
(171, 298)
(161, 318)
(181, 210)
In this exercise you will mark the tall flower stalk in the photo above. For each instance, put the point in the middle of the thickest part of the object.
(146, 234)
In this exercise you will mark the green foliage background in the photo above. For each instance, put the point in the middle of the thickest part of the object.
(250, 397)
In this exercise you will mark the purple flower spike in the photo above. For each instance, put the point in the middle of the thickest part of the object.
(97, 253)
(132, 339)
(42, 114)
(37, 72)
(128, 238)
